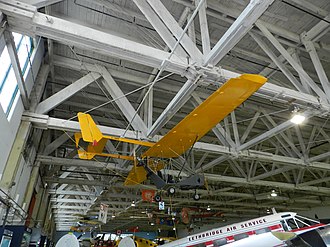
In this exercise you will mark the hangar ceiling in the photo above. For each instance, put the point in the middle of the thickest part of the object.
(138, 67)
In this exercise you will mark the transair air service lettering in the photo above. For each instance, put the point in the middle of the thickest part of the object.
(227, 229)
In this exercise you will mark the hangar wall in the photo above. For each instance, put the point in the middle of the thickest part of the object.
(10, 126)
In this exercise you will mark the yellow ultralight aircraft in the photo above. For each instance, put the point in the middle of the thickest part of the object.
(179, 139)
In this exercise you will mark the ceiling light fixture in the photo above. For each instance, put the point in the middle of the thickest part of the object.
(113, 215)
(133, 203)
(273, 193)
(208, 208)
(297, 118)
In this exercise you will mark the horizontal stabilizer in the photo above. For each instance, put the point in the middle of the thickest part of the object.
(88, 150)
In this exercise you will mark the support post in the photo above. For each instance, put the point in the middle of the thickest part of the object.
(15, 156)
(17, 68)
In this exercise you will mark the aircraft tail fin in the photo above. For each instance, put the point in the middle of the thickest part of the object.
(90, 132)
(90, 141)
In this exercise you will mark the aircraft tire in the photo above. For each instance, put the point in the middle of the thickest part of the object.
(171, 191)
(157, 198)
(196, 197)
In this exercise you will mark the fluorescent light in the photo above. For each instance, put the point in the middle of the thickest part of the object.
(297, 119)
(273, 193)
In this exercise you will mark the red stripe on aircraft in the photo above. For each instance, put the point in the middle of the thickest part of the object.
(308, 227)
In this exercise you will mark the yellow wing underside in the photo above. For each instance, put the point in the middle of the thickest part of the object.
(209, 113)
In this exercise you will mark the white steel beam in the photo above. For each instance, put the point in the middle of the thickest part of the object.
(250, 126)
(11, 47)
(204, 28)
(56, 99)
(235, 129)
(160, 27)
(315, 181)
(292, 62)
(66, 212)
(266, 135)
(271, 173)
(319, 29)
(2, 39)
(176, 30)
(307, 5)
(213, 177)
(39, 85)
(295, 55)
(301, 142)
(267, 183)
(148, 105)
(278, 63)
(223, 13)
(288, 141)
(319, 157)
(281, 144)
(269, 90)
(191, 28)
(65, 181)
(27, 20)
(57, 143)
(69, 207)
(176, 103)
(317, 64)
(46, 122)
(70, 200)
(41, 3)
(237, 30)
(72, 192)
(122, 102)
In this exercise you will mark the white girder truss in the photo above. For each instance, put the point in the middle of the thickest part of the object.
(266, 152)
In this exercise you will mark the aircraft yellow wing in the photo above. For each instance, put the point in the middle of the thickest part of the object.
(214, 109)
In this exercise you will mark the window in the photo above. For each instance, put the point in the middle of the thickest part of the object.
(261, 231)
(200, 245)
(240, 236)
(284, 225)
(292, 224)
(8, 83)
(219, 242)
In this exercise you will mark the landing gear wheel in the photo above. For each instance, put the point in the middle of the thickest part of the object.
(171, 191)
(157, 198)
(196, 197)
